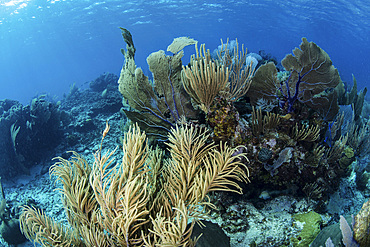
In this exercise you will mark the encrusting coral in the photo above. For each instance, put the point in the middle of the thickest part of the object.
(144, 200)
(361, 226)
(224, 119)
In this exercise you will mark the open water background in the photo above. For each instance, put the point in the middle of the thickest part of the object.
(47, 45)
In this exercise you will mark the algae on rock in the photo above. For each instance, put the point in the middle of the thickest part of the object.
(311, 222)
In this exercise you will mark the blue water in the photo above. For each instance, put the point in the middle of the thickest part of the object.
(46, 46)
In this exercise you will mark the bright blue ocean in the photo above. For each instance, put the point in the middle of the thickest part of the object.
(46, 46)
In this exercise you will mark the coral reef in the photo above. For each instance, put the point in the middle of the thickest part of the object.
(9, 226)
(204, 79)
(287, 117)
(300, 128)
(27, 133)
(294, 136)
(143, 200)
(101, 83)
(30, 132)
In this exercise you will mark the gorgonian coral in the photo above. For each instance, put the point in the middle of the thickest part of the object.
(155, 105)
(311, 81)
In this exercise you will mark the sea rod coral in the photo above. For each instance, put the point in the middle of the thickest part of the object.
(143, 200)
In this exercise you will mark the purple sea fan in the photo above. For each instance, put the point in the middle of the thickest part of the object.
(347, 233)
(311, 81)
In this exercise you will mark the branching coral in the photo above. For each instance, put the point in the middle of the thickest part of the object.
(359, 138)
(352, 97)
(45, 231)
(205, 79)
(240, 72)
(307, 133)
(260, 124)
(336, 151)
(215, 84)
(142, 200)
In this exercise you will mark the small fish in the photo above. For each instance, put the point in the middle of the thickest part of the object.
(264, 195)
